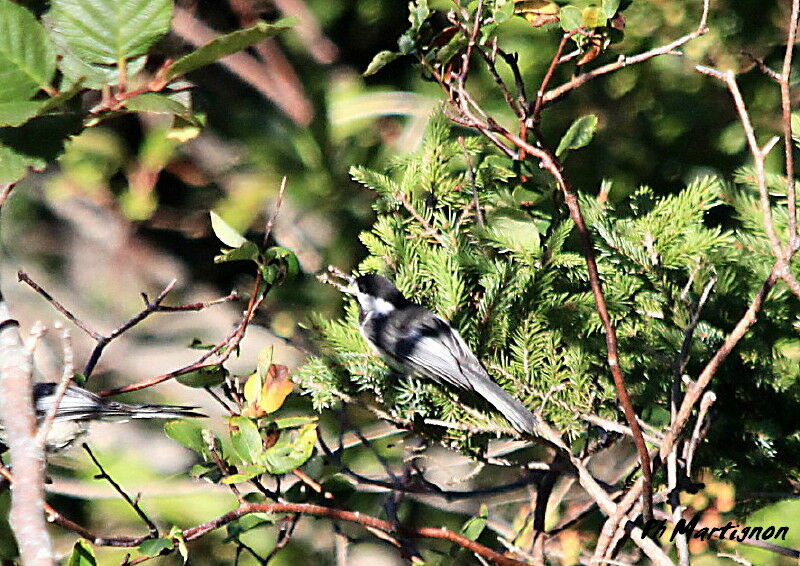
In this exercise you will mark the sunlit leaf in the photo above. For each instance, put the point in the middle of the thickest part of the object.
(610, 8)
(474, 526)
(380, 61)
(246, 439)
(155, 546)
(99, 31)
(292, 450)
(225, 233)
(82, 554)
(187, 432)
(277, 386)
(226, 45)
(244, 474)
(571, 18)
(579, 134)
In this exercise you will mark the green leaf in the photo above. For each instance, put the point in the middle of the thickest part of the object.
(155, 546)
(82, 554)
(580, 133)
(264, 360)
(505, 12)
(156, 103)
(245, 473)
(99, 31)
(246, 439)
(593, 17)
(294, 422)
(90, 74)
(571, 18)
(18, 112)
(286, 257)
(27, 55)
(188, 433)
(204, 377)
(610, 8)
(248, 252)
(226, 45)
(292, 450)
(224, 232)
(474, 526)
(247, 523)
(796, 128)
(380, 61)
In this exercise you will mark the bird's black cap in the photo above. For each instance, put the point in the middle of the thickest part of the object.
(380, 287)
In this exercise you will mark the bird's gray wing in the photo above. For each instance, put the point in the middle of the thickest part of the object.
(438, 351)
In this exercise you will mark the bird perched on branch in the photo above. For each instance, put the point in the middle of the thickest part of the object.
(79, 407)
(415, 340)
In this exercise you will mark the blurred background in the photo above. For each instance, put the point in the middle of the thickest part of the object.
(125, 209)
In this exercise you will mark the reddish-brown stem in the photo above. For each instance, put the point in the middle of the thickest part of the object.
(786, 107)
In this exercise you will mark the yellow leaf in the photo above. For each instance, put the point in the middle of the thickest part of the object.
(252, 389)
(535, 7)
(277, 387)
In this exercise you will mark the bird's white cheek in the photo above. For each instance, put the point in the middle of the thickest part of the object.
(375, 305)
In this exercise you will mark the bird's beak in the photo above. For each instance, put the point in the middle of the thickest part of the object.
(339, 279)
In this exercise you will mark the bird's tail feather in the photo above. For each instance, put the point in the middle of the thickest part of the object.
(514, 412)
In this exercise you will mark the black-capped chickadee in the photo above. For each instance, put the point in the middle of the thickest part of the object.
(415, 340)
(79, 407)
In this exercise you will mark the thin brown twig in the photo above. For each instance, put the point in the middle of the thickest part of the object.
(786, 108)
(214, 357)
(624, 61)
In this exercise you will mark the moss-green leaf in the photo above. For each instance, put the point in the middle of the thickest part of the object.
(226, 45)
(188, 433)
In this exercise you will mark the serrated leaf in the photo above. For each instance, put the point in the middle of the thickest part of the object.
(291, 451)
(225, 45)
(380, 61)
(225, 233)
(571, 18)
(82, 554)
(246, 439)
(204, 377)
(188, 433)
(99, 31)
(579, 134)
(27, 55)
(90, 74)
